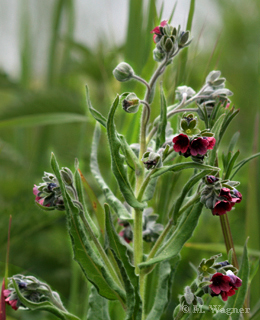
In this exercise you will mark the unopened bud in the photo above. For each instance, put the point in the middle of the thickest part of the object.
(123, 72)
(131, 103)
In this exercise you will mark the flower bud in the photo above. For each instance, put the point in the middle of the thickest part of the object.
(184, 39)
(123, 72)
(184, 89)
(158, 55)
(67, 176)
(152, 160)
(131, 103)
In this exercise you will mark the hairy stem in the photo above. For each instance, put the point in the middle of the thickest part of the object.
(138, 239)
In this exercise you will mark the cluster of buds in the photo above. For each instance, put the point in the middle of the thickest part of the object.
(193, 142)
(48, 194)
(220, 196)
(31, 289)
(218, 278)
(151, 229)
(214, 91)
(169, 40)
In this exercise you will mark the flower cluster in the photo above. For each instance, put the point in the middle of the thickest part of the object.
(48, 193)
(224, 285)
(192, 146)
(220, 196)
(169, 40)
(31, 289)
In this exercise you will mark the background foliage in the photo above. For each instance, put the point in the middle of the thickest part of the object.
(44, 112)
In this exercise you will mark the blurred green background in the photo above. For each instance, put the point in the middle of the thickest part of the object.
(49, 52)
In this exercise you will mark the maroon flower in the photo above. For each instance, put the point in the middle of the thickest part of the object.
(221, 207)
(225, 193)
(211, 179)
(181, 143)
(220, 283)
(199, 146)
(236, 196)
(157, 30)
(12, 303)
(235, 281)
(211, 142)
(225, 285)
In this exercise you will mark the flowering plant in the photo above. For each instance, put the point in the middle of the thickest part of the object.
(119, 247)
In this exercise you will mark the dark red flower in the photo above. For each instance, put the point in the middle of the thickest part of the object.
(225, 295)
(211, 142)
(199, 146)
(12, 303)
(236, 196)
(181, 143)
(211, 179)
(220, 283)
(225, 193)
(221, 207)
(127, 234)
(235, 281)
(157, 30)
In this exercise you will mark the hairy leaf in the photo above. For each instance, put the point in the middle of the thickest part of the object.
(160, 138)
(98, 306)
(91, 264)
(112, 200)
(182, 233)
(117, 160)
(181, 166)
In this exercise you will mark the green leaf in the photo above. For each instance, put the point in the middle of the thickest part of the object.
(150, 189)
(182, 233)
(242, 163)
(177, 204)
(181, 166)
(112, 200)
(96, 114)
(79, 189)
(229, 117)
(219, 247)
(160, 137)
(98, 306)
(99, 211)
(233, 141)
(46, 306)
(130, 156)
(91, 264)
(117, 160)
(237, 300)
(162, 292)
(120, 250)
(231, 164)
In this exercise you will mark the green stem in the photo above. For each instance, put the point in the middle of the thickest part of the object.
(138, 239)
(144, 185)
(142, 281)
(100, 250)
(228, 238)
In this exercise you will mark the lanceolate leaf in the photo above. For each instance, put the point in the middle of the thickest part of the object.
(94, 201)
(90, 263)
(231, 164)
(237, 301)
(150, 189)
(46, 306)
(243, 162)
(163, 121)
(117, 206)
(120, 250)
(161, 298)
(117, 160)
(82, 201)
(182, 234)
(98, 306)
(96, 114)
(229, 117)
(177, 205)
(181, 166)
